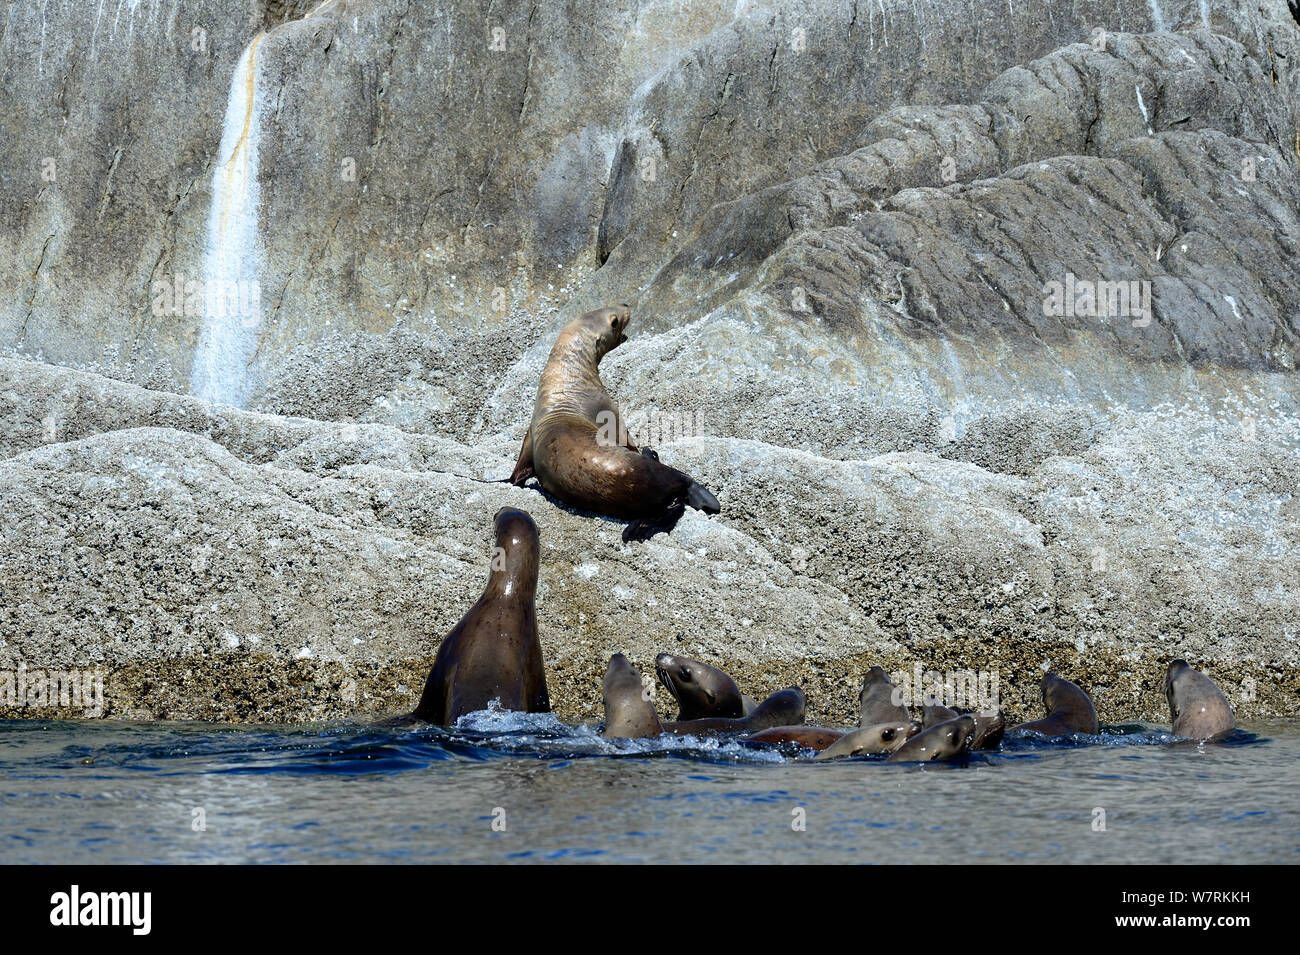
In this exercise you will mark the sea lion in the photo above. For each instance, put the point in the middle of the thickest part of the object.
(871, 740)
(1197, 709)
(701, 691)
(579, 449)
(989, 726)
(629, 712)
(1069, 709)
(494, 653)
(809, 737)
(941, 741)
(879, 701)
(782, 708)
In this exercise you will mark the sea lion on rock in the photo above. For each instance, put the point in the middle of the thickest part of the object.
(782, 708)
(629, 712)
(871, 740)
(1069, 709)
(989, 726)
(879, 700)
(941, 741)
(1197, 709)
(578, 447)
(701, 691)
(494, 652)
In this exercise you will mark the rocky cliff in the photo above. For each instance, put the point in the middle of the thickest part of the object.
(981, 320)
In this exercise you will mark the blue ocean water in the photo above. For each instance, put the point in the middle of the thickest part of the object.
(509, 787)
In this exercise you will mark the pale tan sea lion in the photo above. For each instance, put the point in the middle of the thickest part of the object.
(629, 711)
(871, 740)
(579, 449)
(942, 741)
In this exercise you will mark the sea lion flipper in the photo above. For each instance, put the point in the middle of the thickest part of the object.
(524, 466)
(701, 498)
(643, 530)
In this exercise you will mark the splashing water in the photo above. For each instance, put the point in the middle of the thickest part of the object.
(232, 313)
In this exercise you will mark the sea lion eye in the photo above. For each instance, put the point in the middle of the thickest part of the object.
(887, 735)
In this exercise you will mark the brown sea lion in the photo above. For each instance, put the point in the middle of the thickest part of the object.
(871, 740)
(579, 449)
(782, 708)
(1197, 709)
(1069, 709)
(809, 737)
(701, 691)
(941, 741)
(989, 726)
(494, 653)
(629, 711)
(879, 701)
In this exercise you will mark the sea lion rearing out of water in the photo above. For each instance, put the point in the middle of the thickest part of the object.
(494, 653)
(1069, 709)
(1197, 709)
(629, 712)
(701, 691)
(579, 449)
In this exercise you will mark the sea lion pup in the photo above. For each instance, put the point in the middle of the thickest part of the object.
(941, 741)
(1069, 709)
(494, 653)
(782, 708)
(579, 449)
(879, 702)
(1197, 709)
(629, 713)
(701, 691)
(989, 726)
(871, 740)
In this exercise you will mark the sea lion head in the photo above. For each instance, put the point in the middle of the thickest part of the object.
(700, 690)
(871, 740)
(1197, 709)
(514, 556)
(604, 328)
(629, 713)
(878, 700)
(943, 741)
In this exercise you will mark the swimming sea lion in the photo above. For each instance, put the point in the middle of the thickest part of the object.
(629, 713)
(782, 708)
(579, 449)
(1069, 709)
(871, 740)
(877, 700)
(494, 653)
(809, 737)
(1197, 709)
(989, 726)
(701, 690)
(942, 741)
